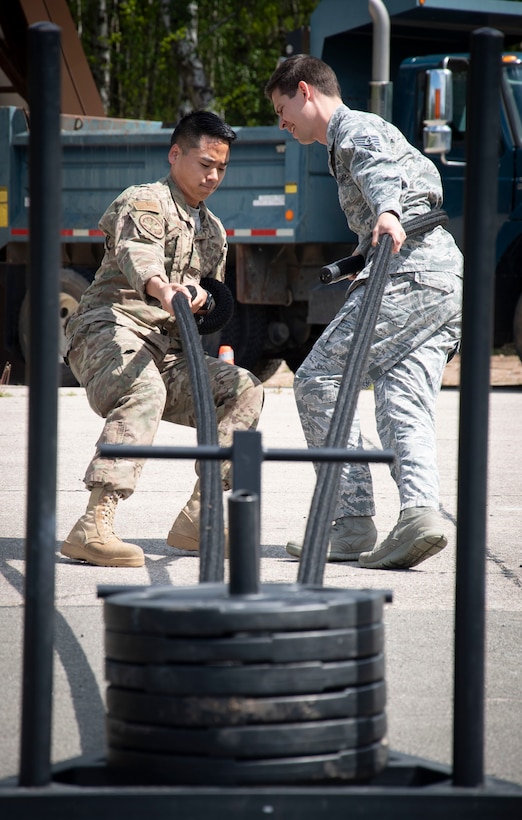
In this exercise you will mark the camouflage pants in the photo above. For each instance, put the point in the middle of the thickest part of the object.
(133, 386)
(418, 325)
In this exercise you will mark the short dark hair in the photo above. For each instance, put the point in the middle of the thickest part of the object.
(291, 71)
(189, 130)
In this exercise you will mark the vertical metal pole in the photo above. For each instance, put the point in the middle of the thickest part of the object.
(479, 264)
(44, 225)
(381, 89)
(243, 521)
(247, 457)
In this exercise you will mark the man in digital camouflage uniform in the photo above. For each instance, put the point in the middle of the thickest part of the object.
(123, 342)
(382, 181)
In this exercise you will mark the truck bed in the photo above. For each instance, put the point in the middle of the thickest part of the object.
(273, 190)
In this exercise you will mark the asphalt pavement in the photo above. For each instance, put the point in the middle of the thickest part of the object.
(419, 623)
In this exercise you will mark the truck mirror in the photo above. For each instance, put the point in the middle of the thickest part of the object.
(436, 139)
(439, 111)
(439, 96)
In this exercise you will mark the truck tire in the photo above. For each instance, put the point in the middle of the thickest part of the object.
(517, 327)
(264, 369)
(295, 358)
(246, 333)
(72, 285)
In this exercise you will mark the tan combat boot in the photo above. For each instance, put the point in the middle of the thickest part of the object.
(93, 539)
(417, 535)
(348, 538)
(184, 533)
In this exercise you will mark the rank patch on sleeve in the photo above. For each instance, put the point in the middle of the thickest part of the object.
(152, 224)
(371, 142)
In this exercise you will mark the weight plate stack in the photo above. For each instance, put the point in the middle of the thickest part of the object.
(208, 609)
(285, 686)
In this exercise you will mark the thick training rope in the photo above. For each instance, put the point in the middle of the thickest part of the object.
(212, 540)
(322, 508)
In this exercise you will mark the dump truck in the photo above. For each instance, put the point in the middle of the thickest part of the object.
(278, 201)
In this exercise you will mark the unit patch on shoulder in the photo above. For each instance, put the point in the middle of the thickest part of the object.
(147, 205)
(152, 225)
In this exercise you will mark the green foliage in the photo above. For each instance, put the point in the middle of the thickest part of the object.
(133, 49)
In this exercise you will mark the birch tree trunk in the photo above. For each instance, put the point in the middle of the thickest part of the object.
(103, 55)
(196, 93)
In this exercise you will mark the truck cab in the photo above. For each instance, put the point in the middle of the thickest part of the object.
(418, 28)
(411, 89)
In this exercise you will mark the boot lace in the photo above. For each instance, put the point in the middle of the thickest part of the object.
(108, 510)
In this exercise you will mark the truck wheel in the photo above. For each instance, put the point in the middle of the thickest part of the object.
(72, 285)
(246, 334)
(517, 327)
(295, 358)
(265, 368)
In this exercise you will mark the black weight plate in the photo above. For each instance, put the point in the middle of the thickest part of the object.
(127, 704)
(208, 609)
(341, 767)
(254, 679)
(268, 740)
(275, 647)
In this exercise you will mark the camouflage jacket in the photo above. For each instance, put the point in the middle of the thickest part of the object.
(149, 231)
(377, 170)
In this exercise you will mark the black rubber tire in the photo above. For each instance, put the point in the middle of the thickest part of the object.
(72, 286)
(295, 358)
(246, 331)
(264, 369)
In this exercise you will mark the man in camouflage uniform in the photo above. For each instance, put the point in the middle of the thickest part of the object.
(382, 180)
(124, 345)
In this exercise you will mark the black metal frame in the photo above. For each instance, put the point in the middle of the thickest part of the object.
(409, 787)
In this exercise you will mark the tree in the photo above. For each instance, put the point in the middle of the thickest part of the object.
(158, 59)
(195, 90)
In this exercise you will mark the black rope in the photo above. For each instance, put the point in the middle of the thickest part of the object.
(348, 265)
(324, 501)
(212, 540)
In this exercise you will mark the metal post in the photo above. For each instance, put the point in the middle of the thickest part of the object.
(246, 461)
(44, 222)
(244, 532)
(381, 89)
(479, 255)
